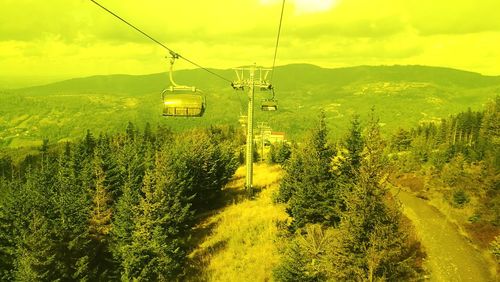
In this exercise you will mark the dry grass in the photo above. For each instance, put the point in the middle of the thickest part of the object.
(413, 182)
(241, 241)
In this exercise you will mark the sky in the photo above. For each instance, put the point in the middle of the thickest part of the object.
(74, 38)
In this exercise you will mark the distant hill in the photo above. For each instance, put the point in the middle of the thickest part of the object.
(401, 95)
(286, 78)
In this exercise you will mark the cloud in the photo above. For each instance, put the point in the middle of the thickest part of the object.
(78, 38)
(453, 17)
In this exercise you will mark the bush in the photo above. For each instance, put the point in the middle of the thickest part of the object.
(495, 248)
(460, 198)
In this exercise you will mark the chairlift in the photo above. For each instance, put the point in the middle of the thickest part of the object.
(269, 105)
(180, 100)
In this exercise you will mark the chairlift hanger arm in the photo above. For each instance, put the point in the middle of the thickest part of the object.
(173, 57)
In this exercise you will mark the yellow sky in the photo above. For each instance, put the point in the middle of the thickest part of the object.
(68, 38)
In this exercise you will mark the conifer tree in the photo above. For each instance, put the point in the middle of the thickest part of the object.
(70, 202)
(279, 153)
(112, 175)
(88, 144)
(309, 185)
(6, 168)
(7, 230)
(354, 146)
(371, 243)
(123, 221)
(131, 161)
(305, 257)
(130, 131)
(401, 140)
(272, 154)
(156, 252)
(100, 258)
(36, 259)
(148, 135)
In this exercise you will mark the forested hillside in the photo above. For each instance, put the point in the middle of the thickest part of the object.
(130, 205)
(245, 141)
(110, 207)
(403, 96)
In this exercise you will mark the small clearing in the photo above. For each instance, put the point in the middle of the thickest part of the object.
(240, 242)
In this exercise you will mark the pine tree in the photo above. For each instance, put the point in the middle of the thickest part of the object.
(309, 185)
(112, 175)
(309, 163)
(100, 258)
(283, 153)
(6, 168)
(371, 243)
(131, 161)
(70, 202)
(148, 135)
(401, 140)
(123, 221)
(7, 230)
(130, 131)
(156, 253)
(354, 146)
(304, 258)
(36, 259)
(88, 144)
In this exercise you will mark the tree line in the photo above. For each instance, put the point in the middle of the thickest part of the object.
(112, 207)
(458, 158)
(462, 152)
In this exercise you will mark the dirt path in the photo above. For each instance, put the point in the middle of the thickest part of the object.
(450, 255)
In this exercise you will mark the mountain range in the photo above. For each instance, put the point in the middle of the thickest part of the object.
(402, 96)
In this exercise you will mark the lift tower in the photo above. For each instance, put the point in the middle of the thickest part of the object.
(250, 83)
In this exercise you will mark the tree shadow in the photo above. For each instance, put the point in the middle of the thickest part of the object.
(199, 259)
(207, 221)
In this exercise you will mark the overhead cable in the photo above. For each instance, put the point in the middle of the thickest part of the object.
(277, 40)
(172, 52)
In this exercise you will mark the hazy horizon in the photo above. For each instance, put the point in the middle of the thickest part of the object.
(20, 81)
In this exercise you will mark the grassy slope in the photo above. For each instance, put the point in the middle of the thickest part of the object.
(402, 95)
(240, 242)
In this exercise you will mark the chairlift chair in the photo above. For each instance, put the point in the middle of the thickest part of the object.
(183, 103)
(180, 100)
(268, 105)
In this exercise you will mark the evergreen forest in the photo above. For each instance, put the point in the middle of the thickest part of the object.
(125, 206)
(110, 208)
(249, 141)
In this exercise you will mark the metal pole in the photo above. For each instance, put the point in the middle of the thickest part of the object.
(262, 143)
(251, 83)
(249, 158)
